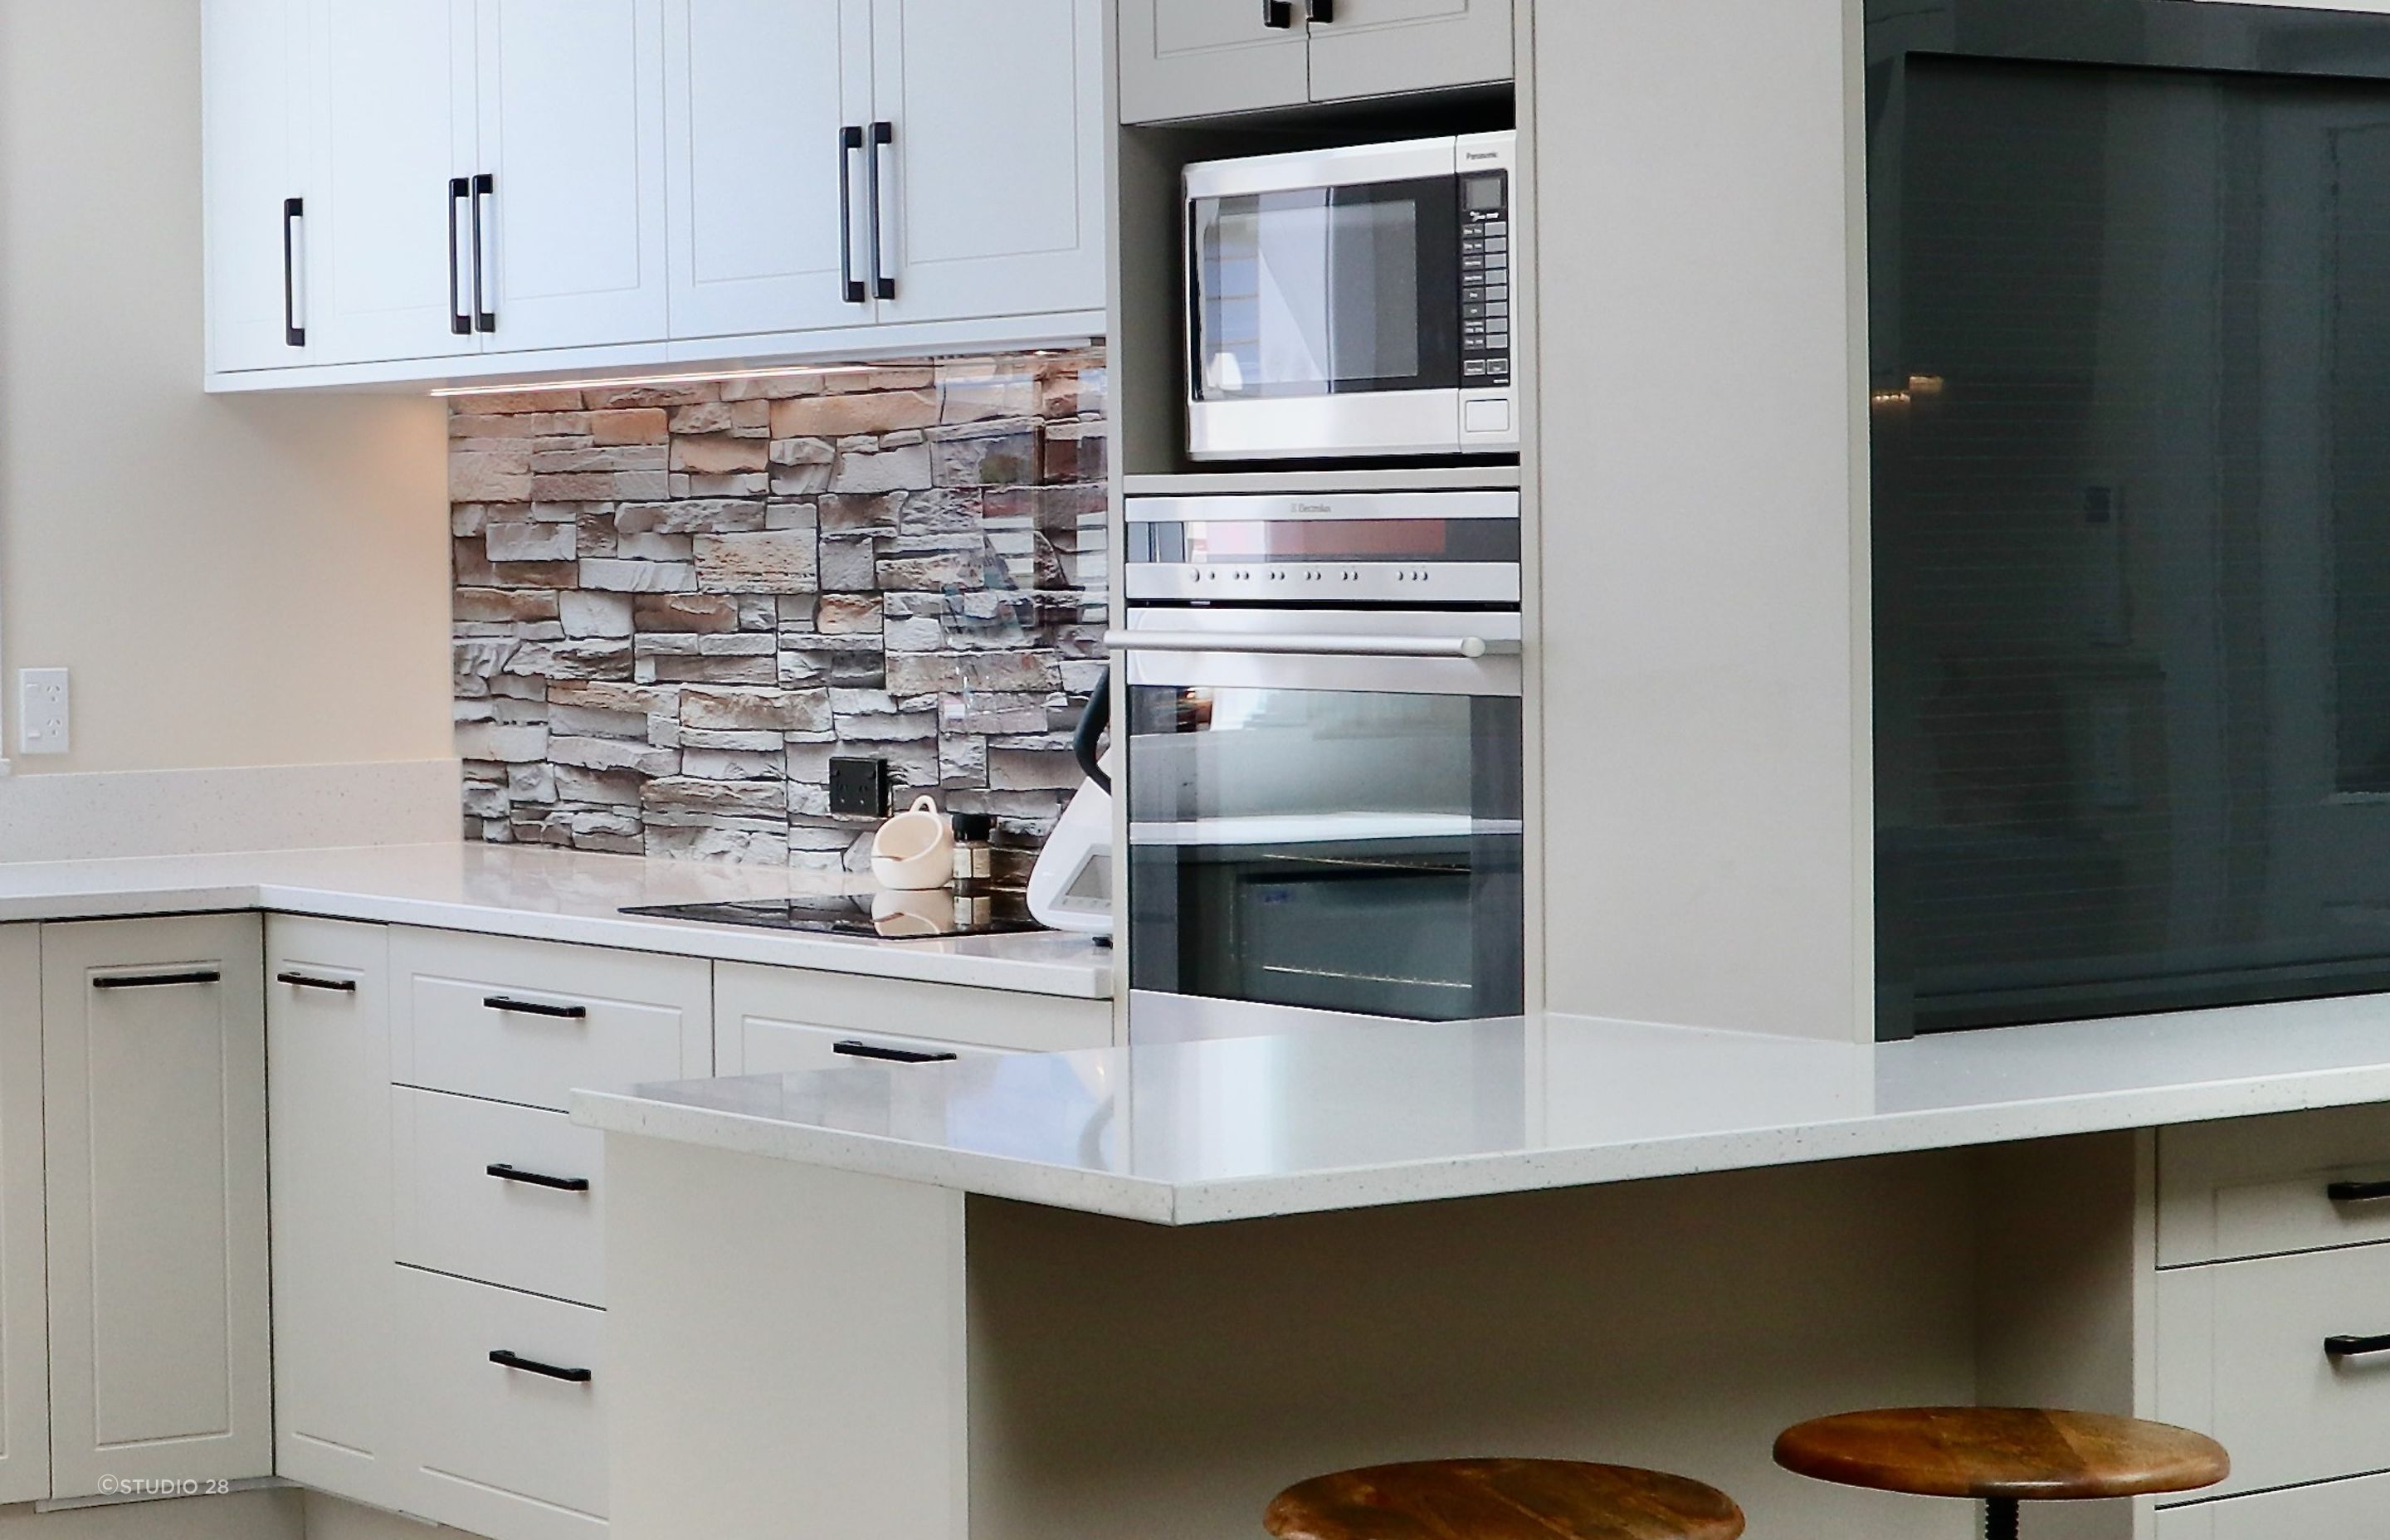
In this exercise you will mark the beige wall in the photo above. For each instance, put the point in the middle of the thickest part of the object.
(233, 580)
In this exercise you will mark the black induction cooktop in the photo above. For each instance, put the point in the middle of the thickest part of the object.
(938, 915)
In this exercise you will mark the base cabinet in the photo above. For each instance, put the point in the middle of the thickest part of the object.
(328, 1048)
(153, 1039)
(2339, 1510)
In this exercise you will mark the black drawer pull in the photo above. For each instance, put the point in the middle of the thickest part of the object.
(308, 980)
(534, 1008)
(891, 1056)
(534, 1179)
(2355, 1347)
(506, 1360)
(2357, 1192)
(158, 980)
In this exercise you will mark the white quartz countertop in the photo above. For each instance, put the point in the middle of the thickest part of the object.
(1353, 1118)
(543, 895)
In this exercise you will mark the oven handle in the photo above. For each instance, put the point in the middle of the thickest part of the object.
(1466, 649)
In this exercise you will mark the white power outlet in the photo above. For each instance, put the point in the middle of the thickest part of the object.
(41, 711)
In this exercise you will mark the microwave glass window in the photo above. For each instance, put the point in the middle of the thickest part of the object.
(1327, 290)
(1330, 850)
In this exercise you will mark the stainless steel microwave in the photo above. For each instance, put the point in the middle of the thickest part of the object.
(1353, 302)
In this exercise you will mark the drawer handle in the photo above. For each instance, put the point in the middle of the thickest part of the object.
(158, 980)
(307, 981)
(506, 1360)
(2337, 1348)
(534, 1179)
(891, 1056)
(2357, 1192)
(534, 1008)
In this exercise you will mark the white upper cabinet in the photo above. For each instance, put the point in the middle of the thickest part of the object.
(258, 152)
(1188, 59)
(571, 142)
(491, 187)
(394, 116)
(1379, 47)
(764, 102)
(987, 157)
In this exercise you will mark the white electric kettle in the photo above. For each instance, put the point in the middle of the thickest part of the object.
(1071, 887)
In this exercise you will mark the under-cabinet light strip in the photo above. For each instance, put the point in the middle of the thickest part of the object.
(817, 371)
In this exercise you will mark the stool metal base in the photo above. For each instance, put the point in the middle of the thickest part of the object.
(2001, 1519)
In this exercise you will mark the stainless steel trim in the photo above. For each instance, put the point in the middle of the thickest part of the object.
(1329, 427)
(1349, 165)
(1317, 646)
(1316, 582)
(1313, 662)
(1154, 1017)
(1296, 508)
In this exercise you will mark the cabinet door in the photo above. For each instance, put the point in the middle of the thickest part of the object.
(990, 190)
(1186, 58)
(394, 116)
(328, 1117)
(573, 133)
(258, 164)
(1379, 47)
(153, 1046)
(759, 95)
(775, 1021)
(24, 1328)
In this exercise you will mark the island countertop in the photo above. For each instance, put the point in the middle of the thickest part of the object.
(543, 895)
(1190, 1134)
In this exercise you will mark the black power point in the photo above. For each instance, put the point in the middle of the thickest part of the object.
(859, 787)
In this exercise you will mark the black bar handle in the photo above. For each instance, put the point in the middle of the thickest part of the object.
(1278, 15)
(891, 1056)
(2357, 1192)
(485, 186)
(883, 283)
(532, 1366)
(308, 980)
(534, 1179)
(1322, 12)
(158, 980)
(850, 145)
(535, 1007)
(293, 209)
(459, 190)
(2355, 1347)
(1087, 742)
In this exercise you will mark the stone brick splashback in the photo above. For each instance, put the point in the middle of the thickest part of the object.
(674, 604)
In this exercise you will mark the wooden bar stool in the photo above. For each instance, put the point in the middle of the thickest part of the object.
(1502, 1500)
(2003, 1456)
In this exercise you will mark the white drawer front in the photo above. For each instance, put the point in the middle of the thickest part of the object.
(540, 1226)
(2241, 1355)
(777, 1021)
(2260, 1187)
(530, 1021)
(507, 1453)
(2342, 1511)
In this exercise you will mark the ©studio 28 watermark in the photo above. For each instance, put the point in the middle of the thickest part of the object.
(165, 1486)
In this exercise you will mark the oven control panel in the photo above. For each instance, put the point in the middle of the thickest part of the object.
(1429, 584)
(1485, 279)
(1416, 550)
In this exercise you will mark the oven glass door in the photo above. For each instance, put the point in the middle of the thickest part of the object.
(1327, 292)
(1339, 848)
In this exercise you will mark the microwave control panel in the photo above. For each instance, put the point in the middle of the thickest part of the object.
(1485, 279)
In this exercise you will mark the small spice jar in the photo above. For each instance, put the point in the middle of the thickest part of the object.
(974, 847)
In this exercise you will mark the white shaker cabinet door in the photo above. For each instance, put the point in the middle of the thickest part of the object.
(1186, 58)
(1382, 48)
(573, 137)
(328, 1118)
(259, 167)
(24, 1330)
(765, 106)
(153, 1039)
(988, 157)
(394, 116)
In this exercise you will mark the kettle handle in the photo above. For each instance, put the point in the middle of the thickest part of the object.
(1087, 742)
(924, 803)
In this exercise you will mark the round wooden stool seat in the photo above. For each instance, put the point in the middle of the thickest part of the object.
(1502, 1500)
(2002, 1452)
